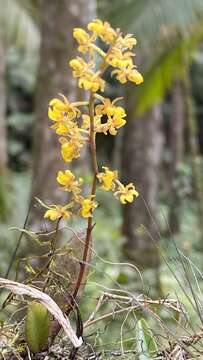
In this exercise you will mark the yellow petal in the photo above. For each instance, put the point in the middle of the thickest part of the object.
(53, 115)
(135, 77)
(52, 214)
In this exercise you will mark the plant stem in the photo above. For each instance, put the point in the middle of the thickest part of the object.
(94, 184)
(92, 140)
(98, 50)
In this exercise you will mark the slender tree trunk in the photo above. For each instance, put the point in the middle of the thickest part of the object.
(3, 145)
(195, 156)
(176, 143)
(3, 135)
(57, 47)
(141, 153)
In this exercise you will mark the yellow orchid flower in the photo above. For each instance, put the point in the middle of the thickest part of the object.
(115, 115)
(91, 81)
(83, 39)
(129, 73)
(107, 178)
(126, 193)
(80, 66)
(87, 206)
(56, 212)
(77, 128)
(103, 30)
(61, 128)
(59, 110)
(126, 42)
(70, 149)
(117, 58)
(69, 182)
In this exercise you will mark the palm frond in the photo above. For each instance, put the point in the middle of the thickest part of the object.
(159, 78)
(149, 20)
(168, 66)
(164, 28)
(154, 23)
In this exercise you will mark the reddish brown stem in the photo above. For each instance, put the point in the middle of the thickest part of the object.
(94, 184)
(57, 326)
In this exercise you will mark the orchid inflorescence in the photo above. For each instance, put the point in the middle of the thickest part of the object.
(77, 127)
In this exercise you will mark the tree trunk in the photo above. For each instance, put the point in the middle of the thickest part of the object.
(57, 47)
(176, 144)
(141, 153)
(3, 146)
(3, 135)
(195, 154)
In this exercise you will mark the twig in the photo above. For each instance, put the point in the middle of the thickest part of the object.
(99, 304)
(135, 305)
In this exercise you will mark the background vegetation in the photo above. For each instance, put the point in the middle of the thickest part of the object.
(160, 150)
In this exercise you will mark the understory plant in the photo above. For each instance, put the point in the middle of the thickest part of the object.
(56, 281)
(78, 124)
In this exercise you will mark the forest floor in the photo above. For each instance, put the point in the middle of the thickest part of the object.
(107, 272)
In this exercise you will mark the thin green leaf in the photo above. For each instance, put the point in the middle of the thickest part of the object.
(146, 342)
(29, 233)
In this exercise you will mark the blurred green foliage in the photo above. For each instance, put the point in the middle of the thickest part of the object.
(162, 42)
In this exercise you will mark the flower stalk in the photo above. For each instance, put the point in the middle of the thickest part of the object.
(77, 124)
(93, 193)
